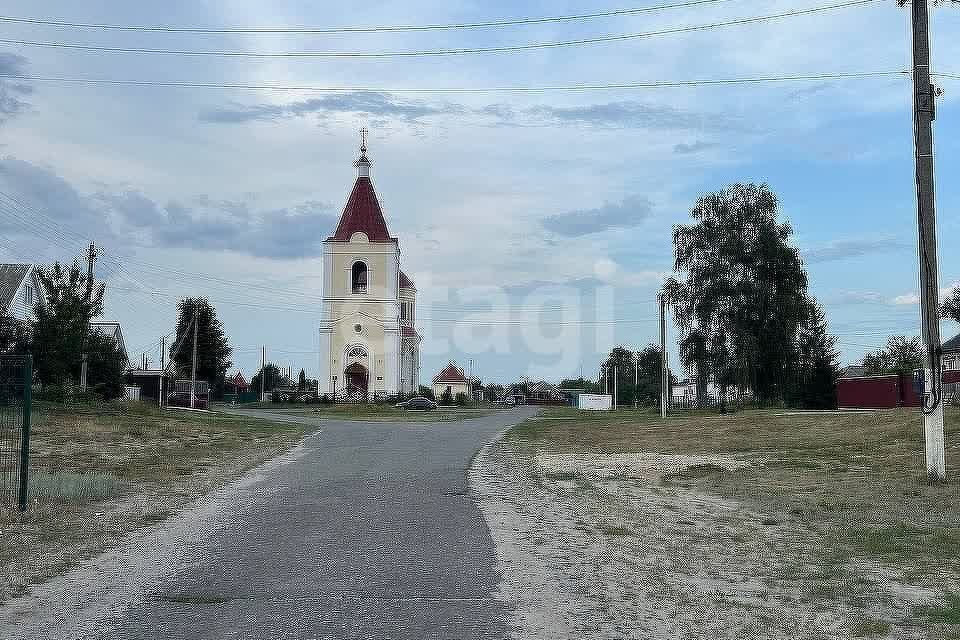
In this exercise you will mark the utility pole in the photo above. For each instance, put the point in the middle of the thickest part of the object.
(664, 368)
(193, 373)
(636, 381)
(91, 258)
(615, 376)
(924, 112)
(263, 370)
(163, 349)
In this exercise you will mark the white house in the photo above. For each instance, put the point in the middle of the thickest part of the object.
(451, 379)
(20, 289)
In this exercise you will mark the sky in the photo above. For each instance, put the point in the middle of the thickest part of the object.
(536, 225)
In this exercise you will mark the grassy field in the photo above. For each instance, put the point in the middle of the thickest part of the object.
(840, 499)
(374, 412)
(99, 472)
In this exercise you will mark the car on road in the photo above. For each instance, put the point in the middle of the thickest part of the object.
(418, 403)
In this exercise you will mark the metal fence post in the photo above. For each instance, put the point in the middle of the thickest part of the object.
(25, 430)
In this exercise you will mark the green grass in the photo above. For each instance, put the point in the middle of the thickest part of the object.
(947, 612)
(65, 486)
(870, 627)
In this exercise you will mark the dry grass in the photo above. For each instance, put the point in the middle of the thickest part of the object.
(99, 472)
(842, 497)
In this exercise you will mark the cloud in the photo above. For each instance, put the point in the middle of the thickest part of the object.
(629, 213)
(907, 298)
(369, 103)
(131, 218)
(12, 90)
(860, 297)
(843, 249)
(630, 114)
(696, 147)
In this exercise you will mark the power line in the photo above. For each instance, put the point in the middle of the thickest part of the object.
(656, 84)
(438, 52)
(487, 24)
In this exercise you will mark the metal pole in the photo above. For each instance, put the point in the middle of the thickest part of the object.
(25, 432)
(924, 111)
(615, 377)
(664, 369)
(263, 371)
(193, 372)
(91, 258)
(636, 381)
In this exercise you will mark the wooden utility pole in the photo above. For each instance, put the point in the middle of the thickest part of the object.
(91, 258)
(664, 365)
(924, 112)
(193, 373)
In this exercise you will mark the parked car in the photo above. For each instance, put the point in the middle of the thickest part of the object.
(419, 403)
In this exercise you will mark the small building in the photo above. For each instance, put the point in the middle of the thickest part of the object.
(20, 290)
(951, 354)
(451, 379)
(112, 330)
(153, 384)
(544, 393)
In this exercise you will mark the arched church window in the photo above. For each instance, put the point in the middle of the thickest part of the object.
(357, 352)
(359, 277)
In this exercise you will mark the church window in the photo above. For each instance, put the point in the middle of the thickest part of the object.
(359, 277)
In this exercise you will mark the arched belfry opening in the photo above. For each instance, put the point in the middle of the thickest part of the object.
(358, 277)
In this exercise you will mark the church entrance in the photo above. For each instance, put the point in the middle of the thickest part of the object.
(357, 379)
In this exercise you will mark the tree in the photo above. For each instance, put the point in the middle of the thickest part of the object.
(619, 365)
(493, 392)
(740, 294)
(272, 378)
(62, 324)
(590, 386)
(302, 383)
(14, 335)
(650, 364)
(901, 356)
(951, 306)
(818, 363)
(425, 392)
(213, 351)
(106, 364)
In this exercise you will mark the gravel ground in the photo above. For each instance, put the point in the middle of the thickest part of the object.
(620, 546)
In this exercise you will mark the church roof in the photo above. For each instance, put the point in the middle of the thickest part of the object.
(452, 373)
(362, 213)
(405, 281)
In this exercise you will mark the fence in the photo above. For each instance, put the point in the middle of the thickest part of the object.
(16, 377)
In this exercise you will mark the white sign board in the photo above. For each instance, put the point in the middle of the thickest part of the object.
(594, 402)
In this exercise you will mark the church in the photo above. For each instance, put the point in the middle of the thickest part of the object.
(369, 346)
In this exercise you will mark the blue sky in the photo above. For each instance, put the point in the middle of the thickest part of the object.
(525, 201)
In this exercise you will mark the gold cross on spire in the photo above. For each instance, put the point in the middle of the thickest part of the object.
(363, 139)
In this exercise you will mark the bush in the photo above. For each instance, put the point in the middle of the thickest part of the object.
(325, 399)
(461, 399)
(426, 392)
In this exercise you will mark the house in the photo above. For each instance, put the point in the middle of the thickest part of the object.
(369, 346)
(451, 379)
(545, 393)
(951, 354)
(236, 384)
(20, 289)
(112, 330)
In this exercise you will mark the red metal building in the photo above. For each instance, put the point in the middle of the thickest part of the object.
(883, 392)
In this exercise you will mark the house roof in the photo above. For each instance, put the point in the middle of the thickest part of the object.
(362, 213)
(952, 345)
(11, 276)
(451, 373)
(854, 371)
(406, 282)
(239, 380)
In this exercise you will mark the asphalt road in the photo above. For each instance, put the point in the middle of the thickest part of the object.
(367, 531)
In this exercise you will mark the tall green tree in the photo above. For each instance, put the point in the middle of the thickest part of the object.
(62, 323)
(106, 364)
(272, 379)
(740, 294)
(950, 308)
(901, 356)
(818, 363)
(213, 350)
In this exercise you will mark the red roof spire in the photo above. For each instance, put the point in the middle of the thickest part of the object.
(362, 211)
